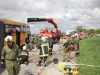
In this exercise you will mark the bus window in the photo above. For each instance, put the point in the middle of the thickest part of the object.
(7, 30)
(25, 29)
(28, 29)
(18, 29)
(13, 30)
(18, 35)
(22, 30)
(28, 32)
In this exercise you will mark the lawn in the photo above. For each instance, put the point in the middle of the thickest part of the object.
(89, 55)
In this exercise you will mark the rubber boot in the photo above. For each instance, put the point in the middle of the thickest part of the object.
(45, 63)
(64, 60)
(39, 64)
(51, 52)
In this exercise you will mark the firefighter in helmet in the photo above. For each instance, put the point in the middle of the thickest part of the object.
(77, 45)
(23, 57)
(37, 40)
(44, 50)
(72, 47)
(28, 47)
(9, 56)
(66, 50)
(50, 40)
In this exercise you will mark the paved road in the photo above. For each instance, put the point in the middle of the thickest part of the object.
(51, 69)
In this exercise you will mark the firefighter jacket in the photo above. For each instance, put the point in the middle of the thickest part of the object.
(67, 44)
(77, 43)
(44, 49)
(50, 40)
(23, 56)
(10, 53)
(74, 42)
(24, 52)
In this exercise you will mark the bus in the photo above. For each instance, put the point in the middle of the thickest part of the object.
(18, 30)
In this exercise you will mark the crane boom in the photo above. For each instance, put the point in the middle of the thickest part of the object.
(50, 20)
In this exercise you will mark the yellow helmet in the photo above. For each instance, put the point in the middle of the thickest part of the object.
(50, 35)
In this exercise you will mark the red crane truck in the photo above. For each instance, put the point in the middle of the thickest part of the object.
(54, 34)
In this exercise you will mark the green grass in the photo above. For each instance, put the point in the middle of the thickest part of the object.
(90, 55)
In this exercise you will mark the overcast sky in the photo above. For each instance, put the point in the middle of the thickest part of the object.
(68, 14)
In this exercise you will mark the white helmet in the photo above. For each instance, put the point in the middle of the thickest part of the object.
(76, 34)
(39, 35)
(43, 39)
(8, 39)
(73, 36)
(24, 47)
(67, 33)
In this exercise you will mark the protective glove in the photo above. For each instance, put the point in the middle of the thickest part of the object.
(2, 63)
(65, 44)
(77, 54)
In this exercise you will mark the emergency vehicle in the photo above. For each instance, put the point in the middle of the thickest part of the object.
(54, 32)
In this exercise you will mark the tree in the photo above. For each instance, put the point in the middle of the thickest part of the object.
(84, 30)
(79, 28)
(91, 31)
(97, 31)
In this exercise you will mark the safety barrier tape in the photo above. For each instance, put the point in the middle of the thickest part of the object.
(82, 65)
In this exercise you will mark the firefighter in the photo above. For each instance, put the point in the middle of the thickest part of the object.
(44, 51)
(50, 40)
(28, 46)
(66, 50)
(9, 56)
(77, 45)
(73, 47)
(32, 39)
(31, 44)
(37, 40)
(27, 40)
(23, 57)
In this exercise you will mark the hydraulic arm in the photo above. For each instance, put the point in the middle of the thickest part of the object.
(50, 20)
